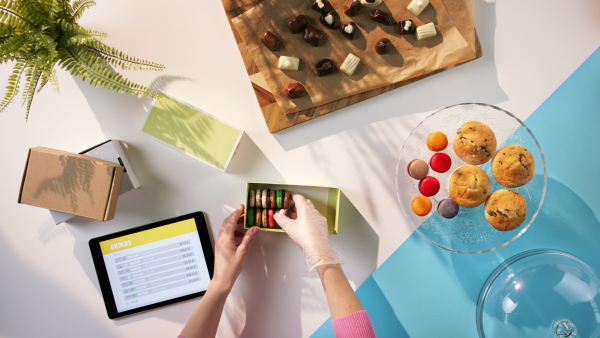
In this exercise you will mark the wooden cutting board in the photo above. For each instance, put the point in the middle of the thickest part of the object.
(461, 12)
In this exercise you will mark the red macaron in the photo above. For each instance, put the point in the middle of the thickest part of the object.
(440, 162)
(429, 186)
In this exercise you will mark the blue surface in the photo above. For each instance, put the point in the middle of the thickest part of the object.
(424, 291)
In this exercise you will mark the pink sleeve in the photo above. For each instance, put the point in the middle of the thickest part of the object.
(354, 325)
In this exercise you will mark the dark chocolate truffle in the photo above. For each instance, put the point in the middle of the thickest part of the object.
(270, 41)
(381, 17)
(312, 36)
(352, 7)
(328, 19)
(321, 6)
(297, 24)
(294, 90)
(348, 30)
(382, 46)
(325, 67)
(407, 27)
(448, 208)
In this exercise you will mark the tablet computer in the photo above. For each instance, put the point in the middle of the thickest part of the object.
(153, 265)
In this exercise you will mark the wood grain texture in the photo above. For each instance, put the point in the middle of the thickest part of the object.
(274, 116)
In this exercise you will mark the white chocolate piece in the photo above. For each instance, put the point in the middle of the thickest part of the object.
(371, 4)
(289, 63)
(329, 19)
(320, 4)
(426, 31)
(349, 65)
(349, 29)
(417, 6)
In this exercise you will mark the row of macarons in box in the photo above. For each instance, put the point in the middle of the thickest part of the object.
(264, 199)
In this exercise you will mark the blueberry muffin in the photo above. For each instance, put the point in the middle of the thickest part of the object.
(513, 166)
(469, 186)
(475, 143)
(505, 209)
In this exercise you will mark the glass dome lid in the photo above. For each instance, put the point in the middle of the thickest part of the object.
(540, 293)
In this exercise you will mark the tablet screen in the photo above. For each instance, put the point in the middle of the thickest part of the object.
(154, 265)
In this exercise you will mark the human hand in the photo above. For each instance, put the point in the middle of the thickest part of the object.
(309, 230)
(229, 254)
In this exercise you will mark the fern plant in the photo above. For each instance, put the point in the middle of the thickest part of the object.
(37, 35)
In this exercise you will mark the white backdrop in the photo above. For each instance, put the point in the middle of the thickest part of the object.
(48, 285)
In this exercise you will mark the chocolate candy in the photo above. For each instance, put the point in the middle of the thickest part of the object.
(417, 6)
(270, 41)
(448, 208)
(440, 162)
(382, 46)
(348, 30)
(350, 63)
(352, 7)
(289, 63)
(297, 24)
(321, 6)
(426, 31)
(429, 186)
(381, 17)
(325, 67)
(294, 90)
(407, 27)
(421, 205)
(417, 169)
(328, 19)
(371, 3)
(312, 36)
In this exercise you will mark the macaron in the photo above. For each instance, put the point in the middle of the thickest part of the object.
(447, 208)
(271, 199)
(250, 217)
(258, 217)
(286, 199)
(258, 202)
(279, 199)
(429, 186)
(437, 141)
(264, 202)
(417, 169)
(251, 198)
(421, 205)
(271, 219)
(265, 218)
(440, 162)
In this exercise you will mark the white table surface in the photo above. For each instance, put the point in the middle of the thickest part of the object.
(48, 286)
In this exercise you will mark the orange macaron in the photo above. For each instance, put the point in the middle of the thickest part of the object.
(421, 205)
(437, 141)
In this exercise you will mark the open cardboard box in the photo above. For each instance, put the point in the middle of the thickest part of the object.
(325, 199)
(71, 183)
(110, 151)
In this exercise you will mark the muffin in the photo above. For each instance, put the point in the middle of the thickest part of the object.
(513, 166)
(475, 143)
(505, 209)
(469, 186)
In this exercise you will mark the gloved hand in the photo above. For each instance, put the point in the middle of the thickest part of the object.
(309, 231)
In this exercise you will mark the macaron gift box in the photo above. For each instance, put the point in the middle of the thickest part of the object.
(325, 199)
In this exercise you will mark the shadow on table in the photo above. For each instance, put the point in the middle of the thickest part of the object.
(475, 81)
(565, 223)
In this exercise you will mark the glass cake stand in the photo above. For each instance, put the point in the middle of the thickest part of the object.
(540, 293)
(468, 232)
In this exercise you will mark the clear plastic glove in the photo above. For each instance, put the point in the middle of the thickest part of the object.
(309, 230)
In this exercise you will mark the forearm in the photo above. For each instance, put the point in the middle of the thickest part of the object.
(204, 321)
(340, 297)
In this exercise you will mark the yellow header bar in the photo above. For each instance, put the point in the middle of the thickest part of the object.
(148, 236)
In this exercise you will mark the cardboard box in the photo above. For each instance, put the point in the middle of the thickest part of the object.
(71, 183)
(192, 131)
(325, 199)
(110, 151)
